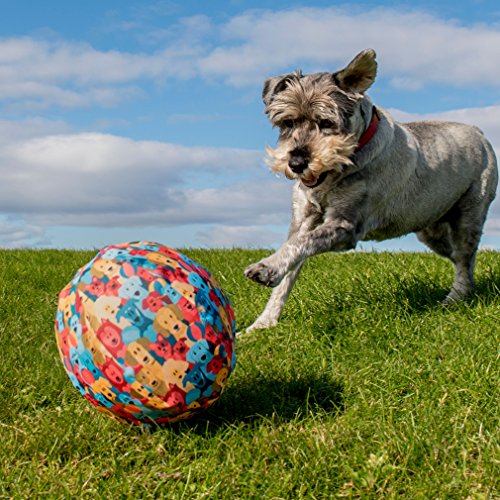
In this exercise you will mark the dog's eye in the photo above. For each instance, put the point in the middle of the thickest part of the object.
(287, 124)
(326, 124)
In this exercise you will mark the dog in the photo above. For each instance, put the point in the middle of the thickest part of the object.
(360, 175)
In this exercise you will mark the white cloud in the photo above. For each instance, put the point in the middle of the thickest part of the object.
(102, 180)
(414, 48)
(40, 73)
(14, 234)
(12, 131)
(219, 236)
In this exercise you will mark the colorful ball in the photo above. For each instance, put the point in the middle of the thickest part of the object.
(146, 334)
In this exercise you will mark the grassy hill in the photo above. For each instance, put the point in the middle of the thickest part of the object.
(368, 387)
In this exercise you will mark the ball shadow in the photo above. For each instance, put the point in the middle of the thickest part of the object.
(258, 398)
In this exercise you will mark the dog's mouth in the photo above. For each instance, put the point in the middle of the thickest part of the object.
(312, 181)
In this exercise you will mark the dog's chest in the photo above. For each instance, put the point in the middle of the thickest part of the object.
(341, 199)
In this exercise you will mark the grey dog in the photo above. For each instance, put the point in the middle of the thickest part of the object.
(360, 175)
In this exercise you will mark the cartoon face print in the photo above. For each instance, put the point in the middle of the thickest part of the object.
(180, 349)
(207, 308)
(102, 386)
(109, 334)
(63, 342)
(162, 348)
(75, 325)
(175, 397)
(113, 286)
(74, 359)
(114, 373)
(165, 290)
(68, 306)
(96, 287)
(138, 391)
(228, 327)
(107, 307)
(175, 370)
(138, 354)
(126, 399)
(215, 364)
(168, 320)
(211, 335)
(156, 403)
(60, 320)
(196, 377)
(161, 259)
(133, 315)
(173, 295)
(188, 309)
(185, 289)
(87, 362)
(105, 267)
(145, 275)
(221, 378)
(150, 377)
(199, 352)
(181, 275)
(114, 253)
(132, 288)
(92, 344)
(198, 282)
(152, 302)
(215, 298)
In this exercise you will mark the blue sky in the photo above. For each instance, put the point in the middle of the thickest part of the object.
(122, 120)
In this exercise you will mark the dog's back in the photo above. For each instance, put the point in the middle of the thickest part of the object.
(430, 166)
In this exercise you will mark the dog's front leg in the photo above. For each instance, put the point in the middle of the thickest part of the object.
(304, 219)
(335, 235)
(270, 315)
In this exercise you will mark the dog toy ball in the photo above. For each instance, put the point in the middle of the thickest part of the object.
(146, 334)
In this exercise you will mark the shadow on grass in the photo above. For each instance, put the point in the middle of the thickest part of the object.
(488, 288)
(259, 399)
(422, 296)
(419, 296)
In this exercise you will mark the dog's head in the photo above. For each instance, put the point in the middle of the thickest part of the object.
(321, 117)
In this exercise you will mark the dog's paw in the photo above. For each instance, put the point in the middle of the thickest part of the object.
(260, 324)
(263, 273)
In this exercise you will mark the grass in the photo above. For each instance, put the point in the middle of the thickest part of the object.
(367, 388)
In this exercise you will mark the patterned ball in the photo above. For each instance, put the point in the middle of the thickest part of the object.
(146, 334)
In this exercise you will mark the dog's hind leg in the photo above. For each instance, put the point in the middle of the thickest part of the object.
(437, 238)
(458, 246)
(465, 233)
(457, 238)
(269, 317)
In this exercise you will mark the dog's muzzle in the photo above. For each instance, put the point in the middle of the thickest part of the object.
(299, 160)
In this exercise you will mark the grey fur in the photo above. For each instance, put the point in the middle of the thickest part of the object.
(436, 179)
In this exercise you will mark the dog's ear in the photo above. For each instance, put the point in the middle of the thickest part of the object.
(275, 85)
(359, 74)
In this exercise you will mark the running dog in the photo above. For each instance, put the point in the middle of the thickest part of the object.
(360, 176)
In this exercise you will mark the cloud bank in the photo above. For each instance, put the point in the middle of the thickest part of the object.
(102, 180)
(415, 49)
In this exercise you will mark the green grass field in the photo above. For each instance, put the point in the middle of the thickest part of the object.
(368, 388)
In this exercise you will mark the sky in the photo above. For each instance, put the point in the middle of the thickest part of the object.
(123, 120)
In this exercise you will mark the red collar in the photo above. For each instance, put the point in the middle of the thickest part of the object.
(369, 132)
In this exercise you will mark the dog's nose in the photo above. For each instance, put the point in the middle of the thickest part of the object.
(298, 161)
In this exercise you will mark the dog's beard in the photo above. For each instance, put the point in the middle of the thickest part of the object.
(326, 154)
